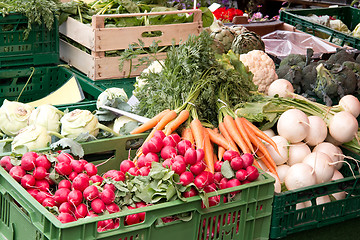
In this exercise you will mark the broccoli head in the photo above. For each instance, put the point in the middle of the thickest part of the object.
(340, 56)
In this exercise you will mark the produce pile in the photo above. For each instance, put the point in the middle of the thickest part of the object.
(327, 80)
(24, 128)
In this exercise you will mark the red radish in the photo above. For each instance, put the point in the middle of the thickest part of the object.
(183, 146)
(33, 192)
(217, 177)
(42, 161)
(200, 154)
(190, 156)
(48, 202)
(109, 173)
(72, 176)
(198, 168)
(64, 157)
(42, 195)
(50, 181)
(77, 166)
(233, 183)
(190, 193)
(144, 171)
(81, 211)
(61, 195)
(28, 162)
(178, 167)
(91, 213)
(134, 171)
(83, 162)
(30, 154)
(215, 200)
(42, 185)
(237, 163)
(66, 207)
(186, 178)
(168, 162)
(108, 224)
(75, 197)
(141, 161)
(126, 165)
(112, 208)
(98, 206)
(203, 179)
(63, 168)
(142, 214)
(210, 188)
(145, 148)
(65, 217)
(169, 141)
(40, 173)
(159, 134)
(132, 219)
(81, 182)
(175, 137)
(248, 160)
(229, 155)
(252, 173)
(168, 152)
(217, 166)
(223, 183)
(149, 158)
(179, 158)
(91, 192)
(245, 181)
(96, 179)
(107, 196)
(5, 162)
(17, 173)
(241, 175)
(28, 181)
(155, 144)
(109, 186)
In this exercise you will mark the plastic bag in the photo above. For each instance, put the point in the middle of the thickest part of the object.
(282, 43)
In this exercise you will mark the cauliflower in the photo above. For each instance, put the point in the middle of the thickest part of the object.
(262, 66)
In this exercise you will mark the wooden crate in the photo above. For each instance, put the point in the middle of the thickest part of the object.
(99, 39)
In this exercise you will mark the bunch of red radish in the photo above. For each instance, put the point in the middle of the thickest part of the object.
(188, 162)
(79, 194)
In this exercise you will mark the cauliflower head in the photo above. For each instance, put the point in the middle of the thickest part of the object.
(263, 68)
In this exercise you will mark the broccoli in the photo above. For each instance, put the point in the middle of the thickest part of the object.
(290, 68)
(309, 74)
(340, 56)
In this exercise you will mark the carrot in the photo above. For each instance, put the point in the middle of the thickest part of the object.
(182, 117)
(243, 133)
(264, 159)
(221, 151)
(227, 136)
(168, 117)
(257, 164)
(230, 126)
(209, 153)
(260, 134)
(151, 123)
(218, 139)
(261, 148)
(198, 132)
(186, 134)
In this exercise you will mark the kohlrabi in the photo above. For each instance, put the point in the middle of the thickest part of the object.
(47, 116)
(79, 121)
(14, 116)
(32, 136)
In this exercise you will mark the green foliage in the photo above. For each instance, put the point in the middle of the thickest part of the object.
(191, 61)
(37, 11)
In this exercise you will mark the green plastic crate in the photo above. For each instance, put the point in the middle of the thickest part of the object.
(41, 47)
(350, 16)
(286, 219)
(22, 217)
(44, 80)
(126, 83)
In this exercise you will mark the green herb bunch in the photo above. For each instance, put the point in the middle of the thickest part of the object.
(189, 62)
(37, 11)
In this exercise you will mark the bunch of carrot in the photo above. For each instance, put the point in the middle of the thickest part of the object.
(237, 134)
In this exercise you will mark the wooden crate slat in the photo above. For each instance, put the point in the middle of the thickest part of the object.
(128, 35)
(78, 32)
